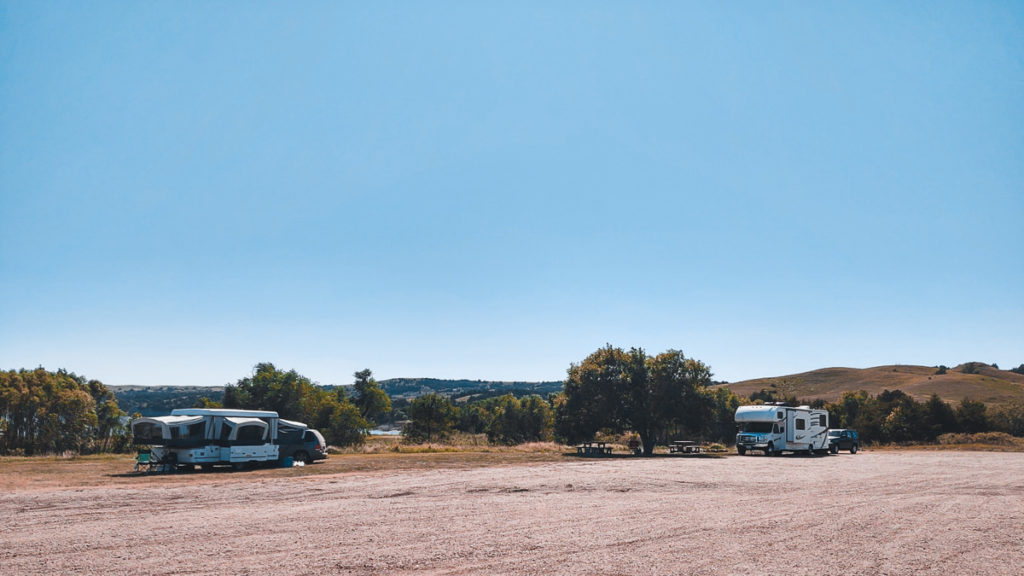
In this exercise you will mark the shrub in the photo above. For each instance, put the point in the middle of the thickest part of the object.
(990, 438)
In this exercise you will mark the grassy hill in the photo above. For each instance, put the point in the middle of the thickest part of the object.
(987, 384)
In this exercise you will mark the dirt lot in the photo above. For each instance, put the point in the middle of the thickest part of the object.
(873, 513)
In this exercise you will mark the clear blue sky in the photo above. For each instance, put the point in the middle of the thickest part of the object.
(494, 190)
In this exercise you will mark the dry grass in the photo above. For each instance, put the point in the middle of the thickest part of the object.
(458, 442)
(49, 472)
(379, 454)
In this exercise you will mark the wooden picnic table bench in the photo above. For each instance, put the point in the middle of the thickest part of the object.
(684, 447)
(593, 449)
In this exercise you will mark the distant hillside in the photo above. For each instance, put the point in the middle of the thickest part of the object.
(160, 400)
(987, 384)
(464, 389)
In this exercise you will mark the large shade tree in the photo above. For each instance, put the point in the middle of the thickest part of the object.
(630, 391)
(371, 400)
(294, 397)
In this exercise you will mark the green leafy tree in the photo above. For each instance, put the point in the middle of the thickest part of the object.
(295, 397)
(721, 426)
(857, 410)
(474, 418)
(971, 416)
(939, 418)
(205, 402)
(537, 419)
(432, 417)
(617, 390)
(270, 389)
(1009, 418)
(43, 412)
(371, 400)
(514, 420)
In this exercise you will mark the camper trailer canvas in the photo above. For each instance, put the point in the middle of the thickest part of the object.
(205, 437)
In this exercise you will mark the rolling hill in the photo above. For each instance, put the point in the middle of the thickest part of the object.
(973, 380)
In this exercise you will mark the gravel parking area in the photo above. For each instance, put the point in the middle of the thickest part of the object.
(887, 512)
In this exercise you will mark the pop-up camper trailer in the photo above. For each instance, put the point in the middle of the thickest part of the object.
(210, 436)
(775, 428)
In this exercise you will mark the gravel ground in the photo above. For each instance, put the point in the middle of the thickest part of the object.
(873, 513)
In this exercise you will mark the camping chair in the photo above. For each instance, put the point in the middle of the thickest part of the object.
(144, 460)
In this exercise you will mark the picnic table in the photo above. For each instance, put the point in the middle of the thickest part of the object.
(593, 449)
(684, 447)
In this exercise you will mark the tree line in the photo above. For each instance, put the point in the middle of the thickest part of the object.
(45, 412)
(612, 392)
(894, 417)
(343, 418)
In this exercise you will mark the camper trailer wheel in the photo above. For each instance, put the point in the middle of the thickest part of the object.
(301, 456)
(206, 467)
(770, 450)
(741, 450)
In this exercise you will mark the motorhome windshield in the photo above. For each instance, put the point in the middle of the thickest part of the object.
(757, 427)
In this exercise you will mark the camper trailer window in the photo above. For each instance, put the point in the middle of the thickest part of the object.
(250, 434)
(757, 427)
(780, 415)
(197, 430)
(175, 432)
(144, 431)
(801, 424)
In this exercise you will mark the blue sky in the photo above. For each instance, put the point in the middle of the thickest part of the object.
(495, 190)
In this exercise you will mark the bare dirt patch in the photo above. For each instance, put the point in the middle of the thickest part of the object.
(873, 513)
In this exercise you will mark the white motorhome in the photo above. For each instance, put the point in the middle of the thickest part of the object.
(207, 436)
(775, 428)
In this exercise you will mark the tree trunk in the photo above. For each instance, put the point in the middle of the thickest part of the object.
(647, 439)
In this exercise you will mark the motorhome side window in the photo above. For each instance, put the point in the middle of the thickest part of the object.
(801, 424)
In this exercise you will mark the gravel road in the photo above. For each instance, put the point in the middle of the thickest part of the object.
(873, 513)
